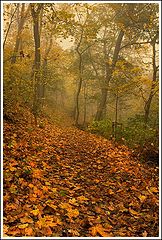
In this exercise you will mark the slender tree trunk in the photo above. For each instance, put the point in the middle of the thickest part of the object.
(85, 106)
(101, 107)
(116, 114)
(152, 92)
(116, 108)
(37, 61)
(21, 23)
(44, 69)
(79, 89)
(109, 71)
(9, 26)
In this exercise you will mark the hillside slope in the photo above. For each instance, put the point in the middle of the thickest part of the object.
(64, 182)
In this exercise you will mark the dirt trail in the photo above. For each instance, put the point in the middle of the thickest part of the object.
(65, 182)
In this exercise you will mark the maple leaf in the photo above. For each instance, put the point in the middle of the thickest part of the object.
(72, 201)
(47, 183)
(29, 231)
(110, 191)
(144, 234)
(47, 231)
(142, 198)
(66, 206)
(45, 188)
(82, 198)
(99, 229)
(22, 226)
(72, 213)
(5, 228)
(26, 220)
(35, 212)
(152, 189)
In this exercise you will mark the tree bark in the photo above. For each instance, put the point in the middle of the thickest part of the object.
(109, 71)
(44, 68)
(35, 12)
(152, 91)
(116, 114)
(21, 23)
(79, 89)
(85, 106)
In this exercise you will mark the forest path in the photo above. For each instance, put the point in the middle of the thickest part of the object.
(66, 182)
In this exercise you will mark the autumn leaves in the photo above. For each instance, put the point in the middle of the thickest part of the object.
(63, 182)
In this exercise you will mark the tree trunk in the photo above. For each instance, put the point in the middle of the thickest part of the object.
(37, 61)
(79, 89)
(101, 107)
(116, 114)
(21, 23)
(85, 106)
(152, 92)
(109, 71)
(44, 69)
(9, 26)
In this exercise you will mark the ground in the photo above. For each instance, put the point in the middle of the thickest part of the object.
(60, 181)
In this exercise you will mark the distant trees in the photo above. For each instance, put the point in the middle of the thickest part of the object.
(106, 69)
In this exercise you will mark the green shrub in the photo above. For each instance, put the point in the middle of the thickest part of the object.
(137, 133)
(103, 128)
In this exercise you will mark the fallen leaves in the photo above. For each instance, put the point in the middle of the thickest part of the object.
(69, 183)
(72, 213)
(29, 231)
(98, 229)
(35, 212)
(82, 198)
(142, 198)
(26, 220)
(22, 226)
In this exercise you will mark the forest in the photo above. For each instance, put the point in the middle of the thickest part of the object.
(80, 119)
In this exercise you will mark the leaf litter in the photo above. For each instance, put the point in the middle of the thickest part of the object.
(64, 182)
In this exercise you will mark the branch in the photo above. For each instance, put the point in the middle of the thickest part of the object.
(88, 47)
(9, 26)
(135, 43)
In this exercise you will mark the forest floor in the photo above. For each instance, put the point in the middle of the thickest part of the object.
(64, 182)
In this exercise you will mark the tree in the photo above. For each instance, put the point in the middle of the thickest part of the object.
(154, 85)
(10, 23)
(35, 12)
(21, 22)
(84, 40)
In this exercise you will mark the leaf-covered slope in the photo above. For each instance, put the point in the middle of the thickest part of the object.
(66, 182)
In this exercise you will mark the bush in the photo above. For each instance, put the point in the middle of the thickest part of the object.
(103, 128)
(136, 133)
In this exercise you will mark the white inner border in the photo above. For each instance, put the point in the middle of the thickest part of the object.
(159, 2)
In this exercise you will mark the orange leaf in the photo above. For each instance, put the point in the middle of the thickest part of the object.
(47, 231)
(29, 231)
(26, 220)
(99, 229)
(82, 198)
(66, 206)
(72, 213)
(144, 234)
(133, 212)
(35, 212)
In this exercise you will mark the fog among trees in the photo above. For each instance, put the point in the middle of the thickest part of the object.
(93, 67)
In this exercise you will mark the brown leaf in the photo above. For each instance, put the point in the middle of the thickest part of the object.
(144, 234)
(26, 220)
